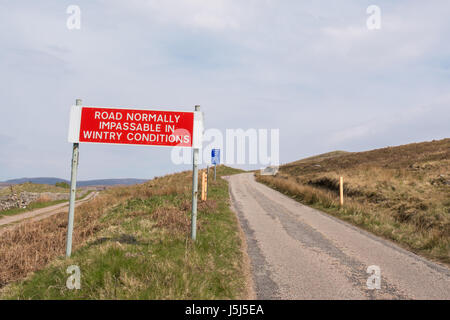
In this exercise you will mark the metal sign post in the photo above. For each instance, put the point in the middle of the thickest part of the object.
(195, 152)
(73, 190)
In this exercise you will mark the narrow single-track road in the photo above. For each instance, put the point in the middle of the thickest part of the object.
(297, 252)
(8, 222)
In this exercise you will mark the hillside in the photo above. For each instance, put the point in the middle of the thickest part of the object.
(401, 193)
(81, 183)
(323, 156)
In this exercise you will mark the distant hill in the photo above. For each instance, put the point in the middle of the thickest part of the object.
(435, 153)
(81, 183)
(40, 180)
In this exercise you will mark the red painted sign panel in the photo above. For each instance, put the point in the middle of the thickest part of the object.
(127, 126)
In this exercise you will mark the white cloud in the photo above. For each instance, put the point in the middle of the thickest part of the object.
(310, 68)
(214, 15)
(208, 21)
(410, 119)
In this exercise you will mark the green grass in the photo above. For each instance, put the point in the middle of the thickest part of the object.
(142, 254)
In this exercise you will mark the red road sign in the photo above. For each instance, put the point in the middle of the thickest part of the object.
(139, 127)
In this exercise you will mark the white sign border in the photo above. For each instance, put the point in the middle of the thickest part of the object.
(75, 124)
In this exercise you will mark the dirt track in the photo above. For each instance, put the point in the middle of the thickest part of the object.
(8, 222)
(297, 252)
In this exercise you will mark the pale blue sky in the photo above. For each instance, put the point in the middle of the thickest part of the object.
(310, 68)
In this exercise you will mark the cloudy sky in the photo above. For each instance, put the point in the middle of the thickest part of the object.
(309, 68)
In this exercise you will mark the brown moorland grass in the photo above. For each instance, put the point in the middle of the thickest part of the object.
(401, 193)
(31, 246)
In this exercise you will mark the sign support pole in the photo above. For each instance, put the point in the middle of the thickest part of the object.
(195, 152)
(73, 189)
(215, 172)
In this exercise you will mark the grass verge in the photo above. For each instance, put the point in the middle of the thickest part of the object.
(134, 243)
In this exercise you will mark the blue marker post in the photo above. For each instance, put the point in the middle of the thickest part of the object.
(215, 159)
